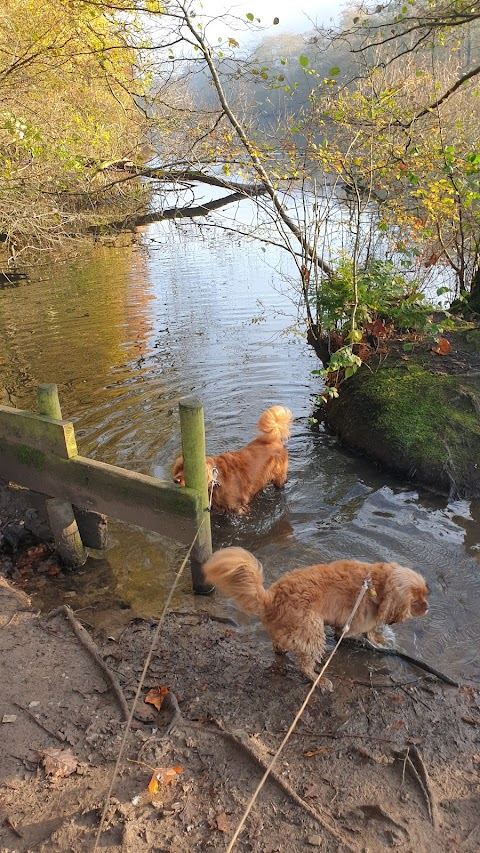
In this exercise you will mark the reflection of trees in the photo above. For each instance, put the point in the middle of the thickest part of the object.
(43, 335)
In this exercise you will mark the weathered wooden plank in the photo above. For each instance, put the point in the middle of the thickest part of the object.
(135, 498)
(37, 433)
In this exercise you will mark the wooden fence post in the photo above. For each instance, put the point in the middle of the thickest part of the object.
(48, 401)
(92, 526)
(61, 516)
(60, 513)
(65, 532)
(193, 447)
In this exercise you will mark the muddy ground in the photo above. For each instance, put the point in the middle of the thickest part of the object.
(390, 759)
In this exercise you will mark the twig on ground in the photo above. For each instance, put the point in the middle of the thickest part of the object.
(413, 697)
(8, 822)
(381, 685)
(420, 772)
(45, 728)
(384, 650)
(177, 719)
(240, 739)
(206, 615)
(86, 641)
(172, 728)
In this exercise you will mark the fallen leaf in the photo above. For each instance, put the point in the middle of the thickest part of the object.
(443, 347)
(321, 751)
(58, 762)
(37, 551)
(222, 821)
(156, 696)
(398, 724)
(9, 718)
(162, 776)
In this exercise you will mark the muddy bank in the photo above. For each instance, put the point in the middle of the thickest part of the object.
(417, 415)
(389, 759)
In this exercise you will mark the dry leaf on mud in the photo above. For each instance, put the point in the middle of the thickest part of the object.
(162, 776)
(321, 751)
(58, 762)
(443, 346)
(156, 696)
(222, 821)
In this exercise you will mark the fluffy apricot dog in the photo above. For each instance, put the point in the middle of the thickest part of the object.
(295, 608)
(241, 474)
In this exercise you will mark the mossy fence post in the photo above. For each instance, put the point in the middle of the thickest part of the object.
(92, 526)
(61, 516)
(193, 448)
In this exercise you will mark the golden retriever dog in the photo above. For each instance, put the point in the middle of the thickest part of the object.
(241, 474)
(295, 609)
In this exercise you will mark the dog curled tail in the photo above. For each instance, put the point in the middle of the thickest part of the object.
(239, 575)
(274, 424)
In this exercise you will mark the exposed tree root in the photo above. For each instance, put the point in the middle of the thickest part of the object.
(86, 641)
(240, 739)
(384, 650)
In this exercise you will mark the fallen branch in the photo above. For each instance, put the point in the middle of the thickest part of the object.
(384, 650)
(240, 739)
(86, 641)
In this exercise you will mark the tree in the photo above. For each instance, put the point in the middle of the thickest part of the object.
(69, 91)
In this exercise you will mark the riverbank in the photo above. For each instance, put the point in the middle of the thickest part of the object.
(389, 759)
(417, 413)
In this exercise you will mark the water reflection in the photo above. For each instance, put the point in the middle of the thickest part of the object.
(130, 332)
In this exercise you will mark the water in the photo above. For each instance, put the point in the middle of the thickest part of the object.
(129, 333)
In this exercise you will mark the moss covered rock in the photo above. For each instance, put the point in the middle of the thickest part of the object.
(419, 417)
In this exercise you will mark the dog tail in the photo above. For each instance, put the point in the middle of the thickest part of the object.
(239, 575)
(274, 424)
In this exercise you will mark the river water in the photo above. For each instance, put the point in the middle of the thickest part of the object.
(129, 332)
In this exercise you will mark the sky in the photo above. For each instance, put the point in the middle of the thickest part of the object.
(294, 16)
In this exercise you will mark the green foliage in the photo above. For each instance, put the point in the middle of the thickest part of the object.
(67, 103)
(383, 292)
(342, 365)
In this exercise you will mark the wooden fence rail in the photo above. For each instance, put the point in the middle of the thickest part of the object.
(40, 453)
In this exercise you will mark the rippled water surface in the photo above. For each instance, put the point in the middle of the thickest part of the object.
(130, 332)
